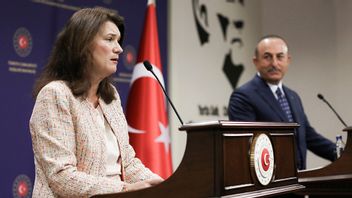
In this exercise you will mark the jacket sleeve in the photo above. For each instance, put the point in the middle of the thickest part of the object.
(134, 169)
(315, 142)
(54, 146)
(318, 144)
(240, 109)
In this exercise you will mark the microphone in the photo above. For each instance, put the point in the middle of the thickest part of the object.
(149, 67)
(321, 97)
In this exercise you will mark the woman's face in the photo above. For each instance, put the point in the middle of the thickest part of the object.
(105, 50)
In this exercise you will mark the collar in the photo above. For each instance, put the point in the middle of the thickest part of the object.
(273, 87)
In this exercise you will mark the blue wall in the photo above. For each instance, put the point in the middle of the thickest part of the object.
(28, 30)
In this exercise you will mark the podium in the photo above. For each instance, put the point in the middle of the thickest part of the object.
(333, 180)
(231, 159)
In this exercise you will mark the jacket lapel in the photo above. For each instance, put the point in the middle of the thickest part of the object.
(266, 94)
(109, 113)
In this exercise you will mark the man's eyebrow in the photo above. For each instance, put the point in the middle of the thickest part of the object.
(274, 53)
(280, 53)
(268, 53)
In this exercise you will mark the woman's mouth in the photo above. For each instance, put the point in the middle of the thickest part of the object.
(114, 60)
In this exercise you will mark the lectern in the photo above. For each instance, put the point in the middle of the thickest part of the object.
(231, 159)
(334, 180)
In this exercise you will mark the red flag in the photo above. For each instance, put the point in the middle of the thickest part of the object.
(146, 105)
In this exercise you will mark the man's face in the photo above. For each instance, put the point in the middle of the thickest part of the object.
(272, 59)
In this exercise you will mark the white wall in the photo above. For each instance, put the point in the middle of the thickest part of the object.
(195, 70)
(318, 33)
(344, 64)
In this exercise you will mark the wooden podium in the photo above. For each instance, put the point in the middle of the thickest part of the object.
(334, 180)
(227, 159)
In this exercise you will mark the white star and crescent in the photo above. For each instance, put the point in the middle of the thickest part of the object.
(140, 72)
(164, 136)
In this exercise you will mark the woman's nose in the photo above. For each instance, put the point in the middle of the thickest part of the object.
(117, 49)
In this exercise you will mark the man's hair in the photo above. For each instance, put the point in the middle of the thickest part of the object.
(269, 36)
(71, 55)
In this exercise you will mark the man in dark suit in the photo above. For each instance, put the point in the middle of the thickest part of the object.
(266, 99)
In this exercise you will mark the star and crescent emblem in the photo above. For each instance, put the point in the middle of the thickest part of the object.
(164, 137)
(262, 159)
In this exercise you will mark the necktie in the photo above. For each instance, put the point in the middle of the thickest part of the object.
(284, 104)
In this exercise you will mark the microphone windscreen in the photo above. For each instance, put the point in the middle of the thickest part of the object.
(321, 97)
(147, 65)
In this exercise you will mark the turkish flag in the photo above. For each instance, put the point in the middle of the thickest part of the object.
(146, 110)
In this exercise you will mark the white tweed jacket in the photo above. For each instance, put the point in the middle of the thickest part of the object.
(69, 149)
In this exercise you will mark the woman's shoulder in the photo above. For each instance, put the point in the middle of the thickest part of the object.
(57, 87)
(116, 93)
(56, 84)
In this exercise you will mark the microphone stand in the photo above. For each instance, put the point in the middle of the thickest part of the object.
(149, 67)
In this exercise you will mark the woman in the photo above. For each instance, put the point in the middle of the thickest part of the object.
(79, 132)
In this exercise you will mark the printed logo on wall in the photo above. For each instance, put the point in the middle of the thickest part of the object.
(22, 187)
(129, 57)
(129, 61)
(22, 42)
(230, 28)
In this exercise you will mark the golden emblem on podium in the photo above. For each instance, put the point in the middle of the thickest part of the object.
(262, 159)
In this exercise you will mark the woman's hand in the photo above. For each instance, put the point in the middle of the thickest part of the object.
(142, 184)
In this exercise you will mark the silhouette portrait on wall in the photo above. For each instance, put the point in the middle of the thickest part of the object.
(231, 29)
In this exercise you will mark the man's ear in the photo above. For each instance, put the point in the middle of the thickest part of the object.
(200, 14)
(254, 60)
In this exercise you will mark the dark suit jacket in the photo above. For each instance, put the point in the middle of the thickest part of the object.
(254, 101)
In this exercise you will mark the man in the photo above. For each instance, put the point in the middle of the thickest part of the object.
(266, 99)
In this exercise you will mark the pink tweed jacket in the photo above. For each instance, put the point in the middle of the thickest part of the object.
(69, 147)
